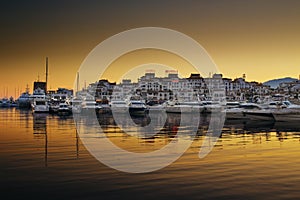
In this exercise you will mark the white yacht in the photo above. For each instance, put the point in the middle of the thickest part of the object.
(39, 102)
(259, 114)
(89, 104)
(37, 94)
(64, 109)
(210, 106)
(232, 104)
(274, 105)
(40, 105)
(118, 106)
(76, 104)
(137, 107)
(286, 114)
(239, 113)
(290, 105)
(157, 108)
(184, 107)
(24, 100)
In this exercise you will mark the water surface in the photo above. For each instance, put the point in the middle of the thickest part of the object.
(41, 156)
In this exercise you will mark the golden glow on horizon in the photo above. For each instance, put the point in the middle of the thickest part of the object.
(156, 58)
(259, 39)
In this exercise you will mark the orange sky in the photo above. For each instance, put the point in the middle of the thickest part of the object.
(258, 38)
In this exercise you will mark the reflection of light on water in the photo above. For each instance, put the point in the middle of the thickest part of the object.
(246, 162)
(234, 134)
(40, 131)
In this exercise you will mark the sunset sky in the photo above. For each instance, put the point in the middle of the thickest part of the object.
(255, 37)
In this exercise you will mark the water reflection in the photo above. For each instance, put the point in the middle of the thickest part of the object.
(252, 160)
(40, 131)
(230, 127)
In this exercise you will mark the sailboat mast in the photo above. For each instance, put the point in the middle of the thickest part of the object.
(77, 83)
(46, 74)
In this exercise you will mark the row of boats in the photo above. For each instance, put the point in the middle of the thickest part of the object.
(5, 103)
(278, 111)
(273, 110)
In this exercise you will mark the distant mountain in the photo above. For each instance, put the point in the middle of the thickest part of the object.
(275, 82)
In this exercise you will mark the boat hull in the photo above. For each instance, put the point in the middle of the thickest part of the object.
(137, 111)
(286, 115)
(39, 109)
(259, 115)
(235, 115)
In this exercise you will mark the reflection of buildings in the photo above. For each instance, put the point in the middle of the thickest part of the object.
(231, 127)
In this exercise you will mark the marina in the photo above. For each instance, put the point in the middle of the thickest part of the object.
(170, 94)
(150, 100)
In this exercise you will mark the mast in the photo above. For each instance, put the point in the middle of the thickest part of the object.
(27, 88)
(77, 83)
(46, 74)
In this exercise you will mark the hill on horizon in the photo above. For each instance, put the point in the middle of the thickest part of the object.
(275, 82)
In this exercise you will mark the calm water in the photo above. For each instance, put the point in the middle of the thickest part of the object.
(42, 157)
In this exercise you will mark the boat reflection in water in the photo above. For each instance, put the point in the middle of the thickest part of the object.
(40, 131)
(172, 124)
(234, 133)
(251, 160)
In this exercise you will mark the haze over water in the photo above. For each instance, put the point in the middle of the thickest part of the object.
(42, 157)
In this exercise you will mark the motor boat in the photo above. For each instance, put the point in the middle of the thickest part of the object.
(64, 109)
(104, 106)
(88, 105)
(24, 100)
(76, 104)
(210, 106)
(259, 114)
(137, 107)
(286, 114)
(4, 103)
(40, 105)
(118, 106)
(184, 107)
(239, 113)
(290, 105)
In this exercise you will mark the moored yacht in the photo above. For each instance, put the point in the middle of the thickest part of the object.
(286, 114)
(239, 113)
(76, 104)
(290, 105)
(137, 107)
(4, 103)
(210, 106)
(40, 105)
(24, 100)
(184, 107)
(259, 114)
(104, 106)
(64, 109)
(156, 105)
(118, 106)
(89, 105)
